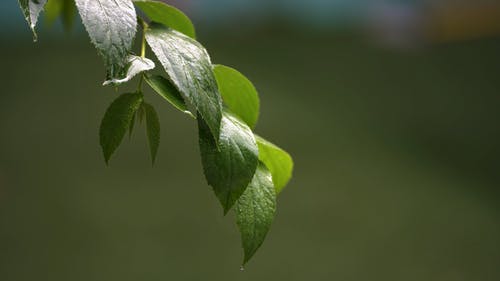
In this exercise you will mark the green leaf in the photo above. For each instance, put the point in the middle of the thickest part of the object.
(60, 8)
(230, 167)
(140, 114)
(255, 211)
(189, 68)
(238, 93)
(134, 66)
(111, 25)
(132, 125)
(116, 122)
(278, 161)
(153, 130)
(167, 15)
(53, 10)
(165, 89)
(31, 10)
(68, 14)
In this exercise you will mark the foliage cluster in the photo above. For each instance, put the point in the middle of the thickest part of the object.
(246, 171)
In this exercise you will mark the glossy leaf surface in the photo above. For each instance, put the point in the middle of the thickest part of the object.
(244, 170)
(278, 161)
(165, 89)
(135, 65)
(189, 68)
(167, 15)
(238, 93)
(230, 167)
(255, 211)
(132, 125)
(116, 122)
(31, 10)
(152, 129)
(111, 25)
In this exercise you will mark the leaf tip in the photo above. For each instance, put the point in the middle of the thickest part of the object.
(246, 258)
(226, 209)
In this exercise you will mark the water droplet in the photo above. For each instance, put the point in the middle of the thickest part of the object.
(242, 268)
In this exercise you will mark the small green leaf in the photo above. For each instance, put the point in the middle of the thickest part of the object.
(165, 89)
(68, 14)
(167, 15)
(132, 125)
(278, 161)
(153, 130)
(230, 167)
(117, 121)
(53, 10)
(60, 8)
(31, 10)
(134, 66)
(111, 25)
(255, 211)
(238, 93)
(140, 114)
(189, 68)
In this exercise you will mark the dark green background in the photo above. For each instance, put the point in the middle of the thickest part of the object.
(396, 166)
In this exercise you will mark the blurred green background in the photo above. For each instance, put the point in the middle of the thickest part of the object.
(396, 151)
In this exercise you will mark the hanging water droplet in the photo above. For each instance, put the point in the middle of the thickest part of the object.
(242, 268)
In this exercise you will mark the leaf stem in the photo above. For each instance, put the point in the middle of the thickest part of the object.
(143, 49)
(143, 39)
(139, 86)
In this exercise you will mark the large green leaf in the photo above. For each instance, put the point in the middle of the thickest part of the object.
(278, 161)
(152, 129)
(230, 167)
(188, 65)
(134, 66)
(255, 211)
(238, 93)
(31, 10)
(167, 15)
(116, 122)
(111, 25)
(165, 89)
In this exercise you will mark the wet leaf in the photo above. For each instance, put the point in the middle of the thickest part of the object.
(111, 25)
(116, 122)
(230, 167)
(189, 68)
(166, 90)
(135, 66)
(152, 129)
(255, 211)
(31, 10)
